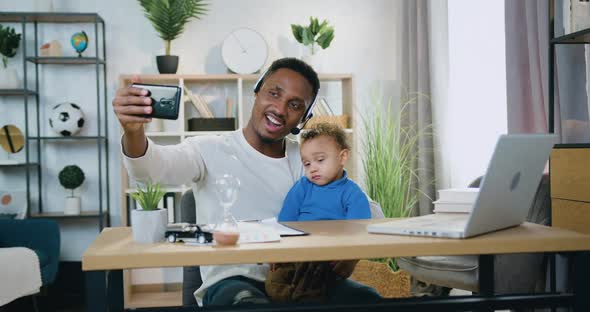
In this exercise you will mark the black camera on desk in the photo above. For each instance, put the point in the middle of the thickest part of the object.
(165, 100)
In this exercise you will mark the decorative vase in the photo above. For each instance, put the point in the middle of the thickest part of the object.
(149, 226)
(72, 205)
(8, 78)
(311, 58)
(167, 64)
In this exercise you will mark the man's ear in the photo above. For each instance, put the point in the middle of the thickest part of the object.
(344, 156)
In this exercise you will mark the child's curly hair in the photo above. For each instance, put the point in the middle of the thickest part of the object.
(329, 130)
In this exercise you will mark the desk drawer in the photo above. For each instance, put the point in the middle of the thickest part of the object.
(571, 215)
(570, 174)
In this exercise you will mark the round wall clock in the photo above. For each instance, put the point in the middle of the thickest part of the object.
(244, 51)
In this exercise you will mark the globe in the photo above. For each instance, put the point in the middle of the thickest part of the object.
(79, 41)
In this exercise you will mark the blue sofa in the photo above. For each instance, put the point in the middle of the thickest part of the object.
(40, 235)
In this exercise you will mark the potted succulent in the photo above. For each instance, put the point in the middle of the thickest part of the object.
(390, 154)
(71, 177)
(313, 37)
(169, 18)
(9, 42)
(148, 222)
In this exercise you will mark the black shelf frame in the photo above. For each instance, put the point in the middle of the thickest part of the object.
(99, 61)
(578, 37)
(70, 138)
(29, 164)
(17, 92)
(65, 60)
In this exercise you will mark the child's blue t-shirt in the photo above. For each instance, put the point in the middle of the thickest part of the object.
(341, 199)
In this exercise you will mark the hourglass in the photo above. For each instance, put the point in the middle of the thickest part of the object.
(226, 189)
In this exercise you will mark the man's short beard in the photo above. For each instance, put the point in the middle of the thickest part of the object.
(266, 140)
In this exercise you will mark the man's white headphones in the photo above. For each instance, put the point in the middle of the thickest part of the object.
(308, 112)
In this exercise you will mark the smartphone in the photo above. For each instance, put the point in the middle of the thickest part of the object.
(165, 100)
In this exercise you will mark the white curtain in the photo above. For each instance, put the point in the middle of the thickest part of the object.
(527, 65)
(415, 65)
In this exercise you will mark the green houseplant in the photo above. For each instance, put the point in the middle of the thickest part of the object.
(169, 18)
(314, 34)
(390, 155)
(148, 197)
(71, 177)
(9, 43)
(148, 223)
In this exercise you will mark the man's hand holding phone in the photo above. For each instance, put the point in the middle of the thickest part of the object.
(132, 106)
(136, 105)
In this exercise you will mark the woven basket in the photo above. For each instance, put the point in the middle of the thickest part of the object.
(378, 276)
(339, 120)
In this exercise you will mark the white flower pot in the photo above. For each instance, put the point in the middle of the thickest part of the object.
(149, 226)
(8, 78)
(72, 205)
(312, 60)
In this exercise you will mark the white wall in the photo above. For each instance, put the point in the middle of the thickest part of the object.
(364, 45)
(467, 61)
(469, 93)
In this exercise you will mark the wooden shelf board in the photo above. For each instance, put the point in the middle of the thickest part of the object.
(17, 164)
(11, 92)
(154, 299)
(195, 133)
(185, 133)
(60, 214)
(65, 60)
(582, 36)
(70, 138)
(220, 77)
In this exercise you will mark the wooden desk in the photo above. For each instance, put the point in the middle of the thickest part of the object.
(115, 250)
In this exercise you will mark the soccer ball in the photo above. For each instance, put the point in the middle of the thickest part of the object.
(66, 119)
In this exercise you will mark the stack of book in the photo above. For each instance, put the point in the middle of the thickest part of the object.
(456, 200)
(199, 103)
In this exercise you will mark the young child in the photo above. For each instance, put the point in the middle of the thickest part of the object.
(324, 193)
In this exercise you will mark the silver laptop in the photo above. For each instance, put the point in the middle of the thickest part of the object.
(505, 196)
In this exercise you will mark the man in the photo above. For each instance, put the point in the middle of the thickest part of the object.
(259, 155)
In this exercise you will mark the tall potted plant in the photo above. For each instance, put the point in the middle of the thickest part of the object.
(169, 18)
(71, 177)
(313, 37)
(390, 154)
(9, 42)
(148, 222)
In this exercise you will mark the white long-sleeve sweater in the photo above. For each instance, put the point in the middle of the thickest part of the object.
(264, 183)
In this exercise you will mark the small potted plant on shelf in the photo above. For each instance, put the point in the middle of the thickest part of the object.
(9, 42)
(71, 177)
(390, 154)
(148, 222)
(169, 18)
(313, 37)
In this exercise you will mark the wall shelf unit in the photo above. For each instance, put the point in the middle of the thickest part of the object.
(41, 173)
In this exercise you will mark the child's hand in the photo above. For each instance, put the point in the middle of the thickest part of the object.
(344, 268)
